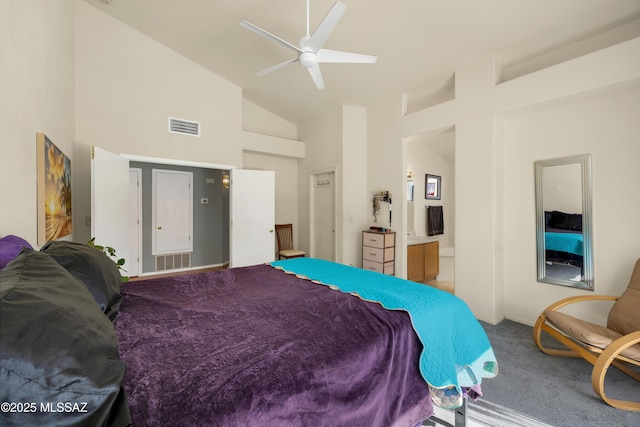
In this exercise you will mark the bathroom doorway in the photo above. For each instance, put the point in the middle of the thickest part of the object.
(433, 154)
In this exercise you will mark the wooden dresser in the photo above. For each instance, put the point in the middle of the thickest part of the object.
(379, 251)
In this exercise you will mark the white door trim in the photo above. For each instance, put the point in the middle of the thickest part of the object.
(163, 161)
(136, 257)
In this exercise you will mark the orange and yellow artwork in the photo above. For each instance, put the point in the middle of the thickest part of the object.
(54, 191)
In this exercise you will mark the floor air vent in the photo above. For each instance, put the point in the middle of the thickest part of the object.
(184, 127)
(173, 261)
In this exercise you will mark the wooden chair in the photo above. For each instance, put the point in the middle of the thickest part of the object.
(284, 233)
(616, 344)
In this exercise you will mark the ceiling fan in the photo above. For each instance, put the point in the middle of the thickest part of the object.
(310, 51)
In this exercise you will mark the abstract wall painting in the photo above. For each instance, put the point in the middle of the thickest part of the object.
(54, 191)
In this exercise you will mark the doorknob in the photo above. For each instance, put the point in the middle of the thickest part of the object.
(159, 228)
(271, 231)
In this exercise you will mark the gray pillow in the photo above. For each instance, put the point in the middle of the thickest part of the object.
(92, 267)
(57, 347)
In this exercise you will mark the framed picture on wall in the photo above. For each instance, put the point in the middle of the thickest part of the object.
(53, 191)
(432, 186)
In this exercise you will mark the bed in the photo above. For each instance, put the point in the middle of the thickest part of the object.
(296, 342)
(563, 238)
(564, 241)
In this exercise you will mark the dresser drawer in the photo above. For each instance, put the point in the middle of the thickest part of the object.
(379, 240)
(389, 268)
(378, 254)
(372, 266)
(379, 251)
(386, 268)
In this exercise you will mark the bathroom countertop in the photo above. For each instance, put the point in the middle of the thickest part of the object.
(418, 240)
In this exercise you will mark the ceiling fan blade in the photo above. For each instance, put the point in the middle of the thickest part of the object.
(268, 35)
(316, 75)
(326, 55)
(320, 35)
(276, 67)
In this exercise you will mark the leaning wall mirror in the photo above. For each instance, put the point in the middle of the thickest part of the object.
(563, 221)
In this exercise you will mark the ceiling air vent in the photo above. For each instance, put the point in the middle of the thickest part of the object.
(184, 127)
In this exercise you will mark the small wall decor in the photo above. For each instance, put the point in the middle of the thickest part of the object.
(432, 187)
(54, 191)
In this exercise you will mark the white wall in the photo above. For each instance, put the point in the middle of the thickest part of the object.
(258, 120)
(338, 141)
(605, 124)
(127, 85)
(500, 131)
(84, 79)
(478, 267)
(36, 95)
(386, 169)
(355, 155)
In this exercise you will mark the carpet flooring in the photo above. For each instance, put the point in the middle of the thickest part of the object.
(533, 389)
(563, 271)
(554, 390)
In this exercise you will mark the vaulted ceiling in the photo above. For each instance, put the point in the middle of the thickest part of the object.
(417, 42)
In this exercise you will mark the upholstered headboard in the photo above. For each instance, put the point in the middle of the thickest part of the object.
(563, 221)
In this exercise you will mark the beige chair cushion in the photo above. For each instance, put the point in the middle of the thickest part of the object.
(634, 283)
(589, 333)
(624, 316)
(290, 253)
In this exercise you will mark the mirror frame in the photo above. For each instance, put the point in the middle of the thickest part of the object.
(585, 162)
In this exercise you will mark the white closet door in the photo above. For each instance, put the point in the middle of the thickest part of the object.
(110, 201)
(324, 216)
(172, 213)
(253, 217)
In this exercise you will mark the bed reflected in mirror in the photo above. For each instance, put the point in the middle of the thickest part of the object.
(563, 221)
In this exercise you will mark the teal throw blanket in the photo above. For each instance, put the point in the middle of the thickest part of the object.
(456, 351)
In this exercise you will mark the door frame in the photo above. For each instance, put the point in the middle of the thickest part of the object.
(163, 161)
(175, 162)
(138, 189)
(312, 227)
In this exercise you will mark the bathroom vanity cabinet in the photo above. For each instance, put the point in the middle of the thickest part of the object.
(423, 261)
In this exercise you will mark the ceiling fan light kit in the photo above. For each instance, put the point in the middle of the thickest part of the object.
(310, 52)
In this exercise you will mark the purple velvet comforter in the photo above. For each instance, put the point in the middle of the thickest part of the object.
(256, 346)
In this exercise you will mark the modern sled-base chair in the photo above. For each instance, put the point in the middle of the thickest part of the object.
(617, 344)
(284, 234)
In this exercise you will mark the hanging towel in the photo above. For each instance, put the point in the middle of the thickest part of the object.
(435, 220)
